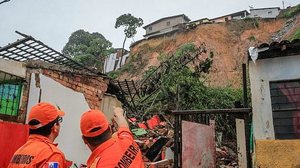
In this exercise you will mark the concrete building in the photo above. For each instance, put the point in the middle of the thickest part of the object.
(165, 25)
(194, 23)
(265, 13)
(275, 90)
(233, 16)
(112, 62)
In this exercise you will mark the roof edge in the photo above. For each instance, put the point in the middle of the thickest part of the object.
(187, 18)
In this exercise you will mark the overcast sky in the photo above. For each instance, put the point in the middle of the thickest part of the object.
(53, 21)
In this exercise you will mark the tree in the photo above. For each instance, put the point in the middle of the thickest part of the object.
(187, 82)
(130, 24)
(90, 49)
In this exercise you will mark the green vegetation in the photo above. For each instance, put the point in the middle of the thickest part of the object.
(90, 49)
(239, 26)
(253, 21)
(193, 93)
(187, 81)
(114, 74)
(296, 35)
(252, 38)
(130, 24)
(129, 68)
(288, 13)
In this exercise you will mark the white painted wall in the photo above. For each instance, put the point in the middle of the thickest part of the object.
(13, 67)
(73, 104)
(261, 73)
(109, 63)
(268, 13)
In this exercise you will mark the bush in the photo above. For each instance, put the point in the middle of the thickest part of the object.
(296, 35)
(114, 74)
(288, 13)
(252, 21)
(193, 93)
(129, 67)
(252, 38)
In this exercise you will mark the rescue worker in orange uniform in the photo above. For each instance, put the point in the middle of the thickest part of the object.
(39, 151)
(119, 151)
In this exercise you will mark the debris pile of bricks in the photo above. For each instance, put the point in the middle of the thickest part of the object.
(155, 138)
(227, 156)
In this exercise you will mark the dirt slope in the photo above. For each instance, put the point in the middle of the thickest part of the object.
(228, 41)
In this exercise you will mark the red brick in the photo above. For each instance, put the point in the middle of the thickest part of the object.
(55, 75)
(104, 88)
(65, 78)
(77, 79)
(88, 97)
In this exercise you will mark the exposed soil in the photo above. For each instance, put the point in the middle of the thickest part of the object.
(228, 41)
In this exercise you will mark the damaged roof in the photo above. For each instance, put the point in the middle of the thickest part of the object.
(276, 49)
(30, 50)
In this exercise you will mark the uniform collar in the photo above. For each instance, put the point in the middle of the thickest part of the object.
(36, 137)
(99, 150)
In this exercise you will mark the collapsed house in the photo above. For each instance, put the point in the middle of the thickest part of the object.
(275, 90)
(31, 72)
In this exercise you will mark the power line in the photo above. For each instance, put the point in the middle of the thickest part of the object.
(4, 1)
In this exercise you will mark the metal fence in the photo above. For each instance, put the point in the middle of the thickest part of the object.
(203, 117)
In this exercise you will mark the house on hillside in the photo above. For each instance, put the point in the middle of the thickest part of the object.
(112, 62)
(233, 16)
(165, 25)
(265, 13)
(32, 72)
(275, 90)
(194, 23)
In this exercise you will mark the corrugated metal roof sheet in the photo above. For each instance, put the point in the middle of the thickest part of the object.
(278, 49)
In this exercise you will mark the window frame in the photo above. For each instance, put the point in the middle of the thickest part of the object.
(11, 87)
(284, 111)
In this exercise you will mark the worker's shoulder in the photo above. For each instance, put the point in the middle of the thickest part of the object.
(46, 147)
(54, 148)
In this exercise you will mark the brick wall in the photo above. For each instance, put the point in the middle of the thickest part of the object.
(24, 99)
(93, 87)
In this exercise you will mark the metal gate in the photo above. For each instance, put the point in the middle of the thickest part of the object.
(204, 117)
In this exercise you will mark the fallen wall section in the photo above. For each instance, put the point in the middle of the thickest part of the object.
(92, 87)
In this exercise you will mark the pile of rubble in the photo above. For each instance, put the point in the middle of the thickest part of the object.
(155, 138)
(226, 157)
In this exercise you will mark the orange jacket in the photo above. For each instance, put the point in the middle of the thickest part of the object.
(120, 151)
(36, 152)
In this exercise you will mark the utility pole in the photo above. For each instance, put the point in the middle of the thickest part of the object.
(282, 4)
